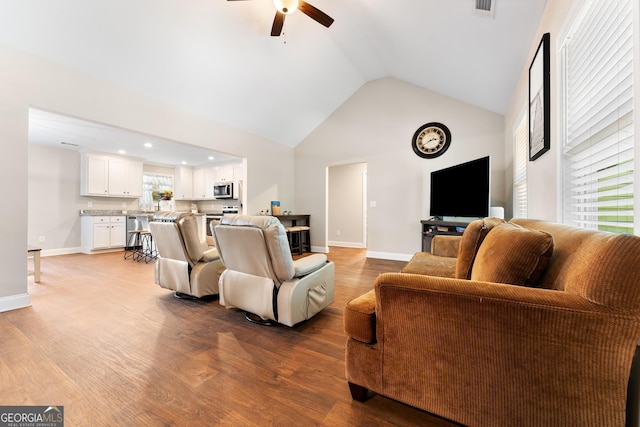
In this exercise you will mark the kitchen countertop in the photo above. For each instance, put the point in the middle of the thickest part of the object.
(114, 212)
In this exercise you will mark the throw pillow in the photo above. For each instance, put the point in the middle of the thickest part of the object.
(471, 240)
(513, 254)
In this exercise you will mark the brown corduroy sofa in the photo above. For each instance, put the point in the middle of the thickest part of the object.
(555, 351)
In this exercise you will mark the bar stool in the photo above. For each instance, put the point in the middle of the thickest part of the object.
(147, 250)
(134, 245)
(305, 238)
(299, 239)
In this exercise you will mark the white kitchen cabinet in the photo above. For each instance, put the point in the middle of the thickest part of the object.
(183, 184)
(203, 179)
(223, 173)
(102, 232)
(125, 177)
(110, 176)
(94, 175)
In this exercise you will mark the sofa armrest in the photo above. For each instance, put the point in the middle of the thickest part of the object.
(444, 245)
(503, 350)
(359, 317)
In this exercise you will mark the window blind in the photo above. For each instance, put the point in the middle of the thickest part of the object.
(598, 161)
(520, 158)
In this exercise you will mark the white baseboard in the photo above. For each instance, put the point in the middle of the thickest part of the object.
(389, 255)
(61, 251)
(14, 302)
(357, 245)
(320, 249)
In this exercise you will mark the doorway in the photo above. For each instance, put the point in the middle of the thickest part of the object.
(347, 205)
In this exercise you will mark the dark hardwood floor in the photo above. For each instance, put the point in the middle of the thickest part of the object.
(113, 348)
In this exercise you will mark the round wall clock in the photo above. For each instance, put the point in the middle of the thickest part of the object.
(431, 140)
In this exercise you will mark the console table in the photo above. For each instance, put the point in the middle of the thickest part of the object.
(431, 228)
(294, 219)
(298, 232)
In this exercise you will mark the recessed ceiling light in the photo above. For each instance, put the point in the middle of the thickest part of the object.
(122, 152)
(211, 158)
(148, 144)
(184, 162)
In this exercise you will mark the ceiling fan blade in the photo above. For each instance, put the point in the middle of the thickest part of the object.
(315, 13)
(278, 23)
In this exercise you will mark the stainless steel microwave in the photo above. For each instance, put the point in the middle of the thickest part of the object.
(223, 190)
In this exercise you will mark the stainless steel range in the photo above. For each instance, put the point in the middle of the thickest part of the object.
(215, 217)
(230, 209)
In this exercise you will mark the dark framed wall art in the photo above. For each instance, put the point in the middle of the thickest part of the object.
(539, 100)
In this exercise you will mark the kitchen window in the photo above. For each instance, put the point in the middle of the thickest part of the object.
(154, 182)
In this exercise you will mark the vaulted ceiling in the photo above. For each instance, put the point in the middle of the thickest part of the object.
(216, 57)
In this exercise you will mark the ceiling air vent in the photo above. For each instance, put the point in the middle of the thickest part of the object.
(484, 8)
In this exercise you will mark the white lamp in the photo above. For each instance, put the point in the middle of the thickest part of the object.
(286, 6)
(496, 211)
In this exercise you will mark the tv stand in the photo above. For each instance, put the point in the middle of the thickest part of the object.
(432, 228)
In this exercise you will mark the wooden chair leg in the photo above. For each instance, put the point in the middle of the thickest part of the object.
(358, 392)
(296, 241)
(290, 238)
(306, 241)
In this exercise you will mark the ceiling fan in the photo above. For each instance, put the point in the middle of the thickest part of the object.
(287, 7)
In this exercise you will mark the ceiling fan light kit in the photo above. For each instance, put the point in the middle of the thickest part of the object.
(287, 7)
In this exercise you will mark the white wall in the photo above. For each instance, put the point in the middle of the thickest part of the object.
(54, 198)
(543, 178)
(27, 81)
(375, 126)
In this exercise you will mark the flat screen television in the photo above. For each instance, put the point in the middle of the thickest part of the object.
(462, 190)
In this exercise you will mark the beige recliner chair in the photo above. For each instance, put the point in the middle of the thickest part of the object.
(262, 278)
(184, 264)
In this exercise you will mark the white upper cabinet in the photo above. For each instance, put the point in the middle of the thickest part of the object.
(197, 183)
(110, 176)
(203, 179)
(223, 173)
(125, 177)
(94, 175)
(183, 183)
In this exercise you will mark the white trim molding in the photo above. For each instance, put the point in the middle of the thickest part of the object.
(389, 255)
(14, 302)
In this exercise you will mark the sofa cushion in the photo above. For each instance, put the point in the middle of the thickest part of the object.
(472, 238)
(431, 265)
(445, 246)
(513, 254)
